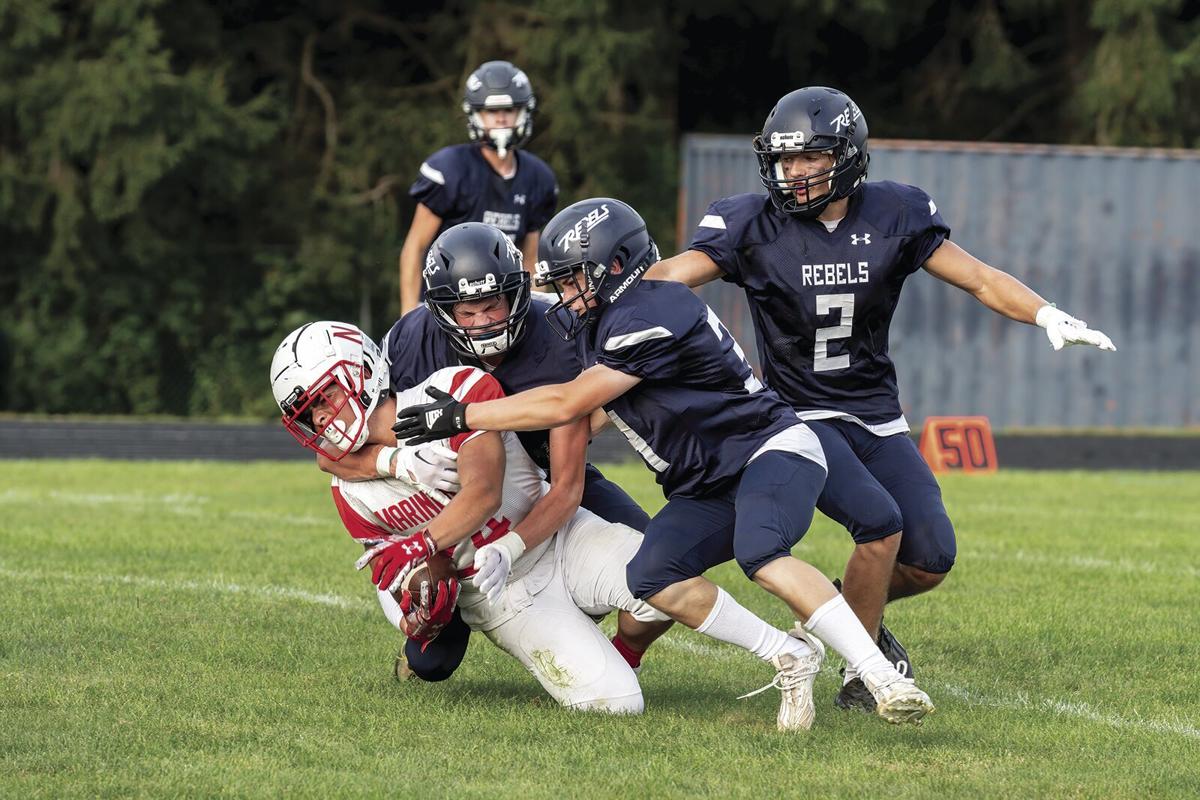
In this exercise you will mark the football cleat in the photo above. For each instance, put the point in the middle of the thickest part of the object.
(794, 680)
(898, 700)
(401, 671)
(854, 696)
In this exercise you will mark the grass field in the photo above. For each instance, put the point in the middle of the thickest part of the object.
(189, 629)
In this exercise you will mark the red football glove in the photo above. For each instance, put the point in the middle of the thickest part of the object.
(423, 622)
(393, 558)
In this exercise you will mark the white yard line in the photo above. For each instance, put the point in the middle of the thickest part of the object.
(676, 640)
(1125, 565)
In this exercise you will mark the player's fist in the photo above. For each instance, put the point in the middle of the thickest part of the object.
(424, 620)
(493, 563)
(1062, 329)
(394, 557)
(441, 419)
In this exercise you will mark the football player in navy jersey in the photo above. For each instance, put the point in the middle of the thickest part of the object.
(822, 258)
(487, 180)
(479, 311)
(740, 471)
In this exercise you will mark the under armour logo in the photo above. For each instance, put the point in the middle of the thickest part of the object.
(519, 199)
(411, 548)
(856, 238)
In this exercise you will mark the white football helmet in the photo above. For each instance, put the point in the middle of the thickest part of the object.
(333, 366)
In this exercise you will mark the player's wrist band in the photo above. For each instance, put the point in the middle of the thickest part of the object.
(383, 462)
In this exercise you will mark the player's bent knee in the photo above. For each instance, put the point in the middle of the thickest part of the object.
(919, 580)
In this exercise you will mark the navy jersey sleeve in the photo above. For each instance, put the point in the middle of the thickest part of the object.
(722, 230)
(629, 343)
(545, 202)
(438, 184)
(415, 349)
(922, 225)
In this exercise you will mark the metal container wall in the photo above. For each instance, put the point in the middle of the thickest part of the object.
(1110, 235)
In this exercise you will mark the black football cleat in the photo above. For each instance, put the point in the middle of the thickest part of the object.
(854, 696)
(893, 651)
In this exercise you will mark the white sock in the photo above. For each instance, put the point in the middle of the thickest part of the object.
(850, 674)
(730, 622)
(835, 624)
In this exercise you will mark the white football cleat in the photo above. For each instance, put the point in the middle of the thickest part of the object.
(898, 700)
(794, 680)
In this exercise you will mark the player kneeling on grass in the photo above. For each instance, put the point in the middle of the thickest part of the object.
(533, 599)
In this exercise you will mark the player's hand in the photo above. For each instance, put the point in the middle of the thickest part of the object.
(423, 621)
(395, 557)
(1062, 329)
(434, 466)
(441, 419)
(493, 563)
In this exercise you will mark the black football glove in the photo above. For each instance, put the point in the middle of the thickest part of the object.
(441, 419)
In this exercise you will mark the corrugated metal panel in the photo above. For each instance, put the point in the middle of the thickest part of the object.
(1108, 234)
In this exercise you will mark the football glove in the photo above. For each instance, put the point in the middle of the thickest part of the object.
(394, 557)
(441, 419)
(422, 621)
(1062, 329)
(432, 467)
(493, 563)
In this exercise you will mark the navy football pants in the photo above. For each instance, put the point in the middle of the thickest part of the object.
(443, 655)
(878, 485)
(755, 521)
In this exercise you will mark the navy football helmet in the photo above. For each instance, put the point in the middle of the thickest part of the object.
(813, 119)
(597, 250)
(474, 261)
(498, 84)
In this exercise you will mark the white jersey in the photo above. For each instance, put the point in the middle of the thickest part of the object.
(372, 510)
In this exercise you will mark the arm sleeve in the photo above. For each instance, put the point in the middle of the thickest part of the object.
(437, 184)
(637, 347)
(712, 237)
(924, 228)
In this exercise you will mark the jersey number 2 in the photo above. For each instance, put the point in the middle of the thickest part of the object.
(827, 303)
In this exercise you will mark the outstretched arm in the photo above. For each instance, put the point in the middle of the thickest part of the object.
(531, 410)
(421, 232)
(1006, 295)
(691, 267)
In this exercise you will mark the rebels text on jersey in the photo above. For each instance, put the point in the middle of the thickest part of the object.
(699, 413)
(458, 185)
(416, 347)
(822, 301)
(372, 510)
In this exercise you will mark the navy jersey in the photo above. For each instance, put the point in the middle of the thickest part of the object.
(458, 185)
(699, 413)
(822, 302)
(416, 347)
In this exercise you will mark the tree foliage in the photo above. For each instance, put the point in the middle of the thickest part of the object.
(181, 183)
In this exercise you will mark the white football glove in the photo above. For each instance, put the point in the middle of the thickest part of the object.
(1062, 329)
(493, 563)
(431, 466)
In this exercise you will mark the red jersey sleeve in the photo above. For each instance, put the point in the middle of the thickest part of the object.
(471, 385)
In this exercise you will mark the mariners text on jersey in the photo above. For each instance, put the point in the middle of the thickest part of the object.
(822, 301)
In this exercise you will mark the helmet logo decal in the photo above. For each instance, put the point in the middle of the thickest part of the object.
(349, 334)
(585, 223)
(847, 118)
(473, 83)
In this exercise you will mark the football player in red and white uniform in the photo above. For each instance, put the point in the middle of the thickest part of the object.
(534, 598)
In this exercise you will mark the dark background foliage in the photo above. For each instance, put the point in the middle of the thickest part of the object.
(181, 182)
